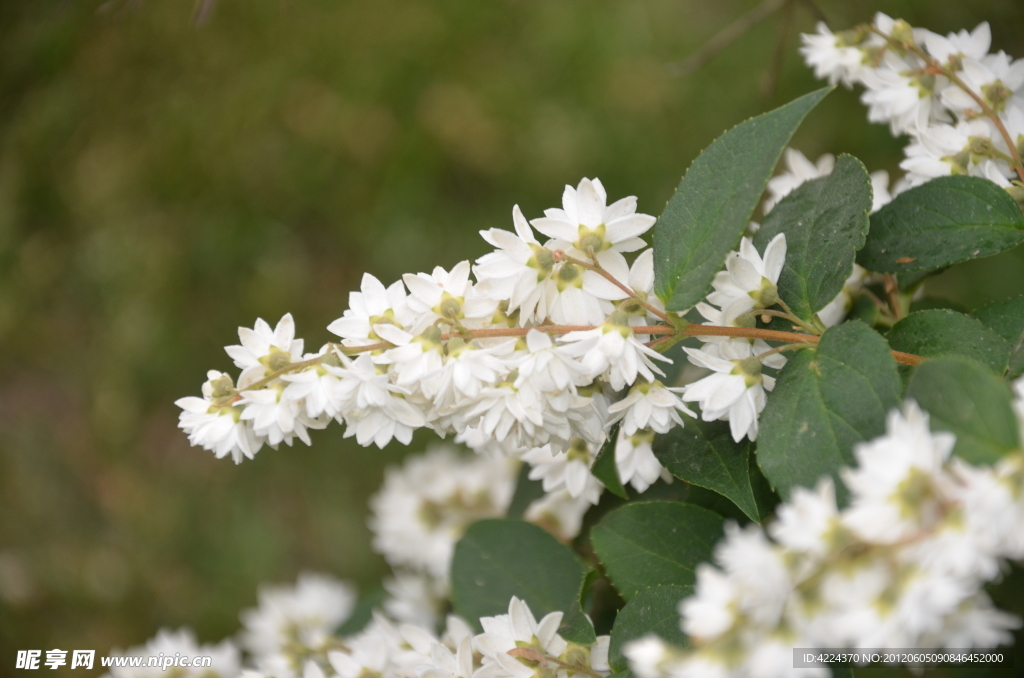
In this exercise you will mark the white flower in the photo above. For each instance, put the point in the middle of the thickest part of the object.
(648, 405)
(831, 57)
(225, 660)
(415, 598)
(468, 369)
(808, 520)
(521, 417)
(551, 367)
(641, 281)
(585, 226)
(416, 360)
(736, 390)
(941, 150)
(712, 610)
(799, 170)
(213, 422)
(426, 504)
(382, 650)
(538, 287)
(519, 628)
(748, 281)
(758, 569)
(618, 354)
(648, 656)
(896, 94)
(373, 408)
(445, 664)
(955, 46)
(995, 78)
(305, 615)
(314, 388)
(265, 350)
(372, 305)
(894, 486)
(569, 469)
(562, 514)
(446, 295)
(276, 418)
(635, 460)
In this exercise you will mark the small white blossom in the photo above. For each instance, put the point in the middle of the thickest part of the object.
(749, 281)
(213, 422)
(736, 389)
(372, 305)
(895, 483)
(289, 617)
(225, 659)
(426, 504)
(264, 350)
(569, 469)
(635, 460)
(831, 57)
(562, 514)
(648, 405)
(415, 598)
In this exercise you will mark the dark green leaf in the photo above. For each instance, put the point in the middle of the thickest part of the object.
(713, 203)
(942, 222)
(497, 559)
(703, 453)
(655, 544)
(825, 221)
(605, 469)
(654, 610)
(1006, 318)
(943, 332)
(527, 492)
(360, 617)
(965, 398)
(826, 399)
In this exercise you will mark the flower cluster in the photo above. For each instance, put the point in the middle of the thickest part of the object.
(903, 565)
(292, 634)
(537, 359)
(419, 514)
(962, 106)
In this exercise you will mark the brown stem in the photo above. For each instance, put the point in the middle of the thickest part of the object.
(666, 331)
(726, 37)
(892, 289)
(908, 358)
(750, 333)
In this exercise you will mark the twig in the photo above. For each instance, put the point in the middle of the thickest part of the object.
(725, 37)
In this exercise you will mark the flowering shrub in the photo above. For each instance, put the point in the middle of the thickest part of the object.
(866, 452)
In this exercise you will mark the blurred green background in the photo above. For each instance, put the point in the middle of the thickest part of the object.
(164, 181)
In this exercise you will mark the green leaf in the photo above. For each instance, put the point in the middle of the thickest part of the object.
(361, 616)
(714, 201)
(825, 221)
(703, 453)
(1006, 318)
(942, 222)
(655, 544)
(939, 332)
(965, 398)
(605, 469)
(654, 610)
(498, 558)
(826, 399)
